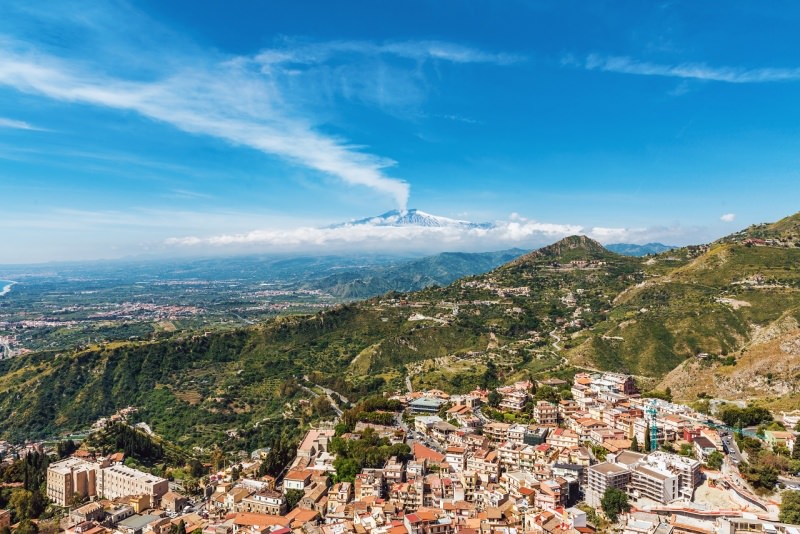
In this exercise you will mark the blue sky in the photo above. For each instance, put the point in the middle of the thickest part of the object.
(183, 128)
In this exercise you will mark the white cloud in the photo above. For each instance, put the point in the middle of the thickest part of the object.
(504, 233)
(18, 125)
(728, 217)
(298, 52)
(223, 100)
(518, 231)
(394, 76)
(698, 71)
(614, 235)
(254, 101)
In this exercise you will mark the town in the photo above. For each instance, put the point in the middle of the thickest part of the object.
(602, 458)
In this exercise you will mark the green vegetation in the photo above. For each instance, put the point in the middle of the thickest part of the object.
(27, 501)
(749, 416)
(293, 496)
(369, 451)
(413, 275)
(119, 437)
(640, 315)
(655, 394)
(763, 469)
(714, 460)
(598, 451)
(614, 503)
(599, 522)
(376, 410)
(92, 305)
(790, 507)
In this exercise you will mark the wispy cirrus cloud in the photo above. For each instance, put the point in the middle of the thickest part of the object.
(695, 71)
(294, 51)
(395, 76)
(19, 125)
(226, 100)
(252, 100)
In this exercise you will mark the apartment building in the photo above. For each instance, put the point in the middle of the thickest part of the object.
(566, 408)
(263, 502)
(648, 481)
(408, 495)
(486, 463)
(563, 437)
(89, 479)
(509, 455)
(516, 434)
(552, 494)
(71, 476)
(496, 432)
(686, 469)
(513, 398)
(455, 457)
(339, 496)
(545, 413)
(428, 522)
(394, 470)
(513, 481)
(620, 383)
(603, 476)
(120, 480)
(368, 484)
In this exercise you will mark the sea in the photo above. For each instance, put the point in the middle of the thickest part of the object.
(5, 286)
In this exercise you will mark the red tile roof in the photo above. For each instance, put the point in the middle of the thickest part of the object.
(421, 452)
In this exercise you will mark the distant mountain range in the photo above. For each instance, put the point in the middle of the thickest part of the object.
(419, 218)
(629, 249)
(413, 217)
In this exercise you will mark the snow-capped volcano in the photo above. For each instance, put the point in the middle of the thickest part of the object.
(413, 217)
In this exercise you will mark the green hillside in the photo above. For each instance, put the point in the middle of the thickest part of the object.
(570, 305)
(711, 303)
(438, 270)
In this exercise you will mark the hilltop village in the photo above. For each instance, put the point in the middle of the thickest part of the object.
(432, 463)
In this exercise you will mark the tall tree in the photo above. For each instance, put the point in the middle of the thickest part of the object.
(217, 459)
(293, 497)
(614, 502)
(490, 377)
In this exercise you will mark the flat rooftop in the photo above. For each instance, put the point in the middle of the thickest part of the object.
(608, 468)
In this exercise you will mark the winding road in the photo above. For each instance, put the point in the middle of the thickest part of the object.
(329, 393)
